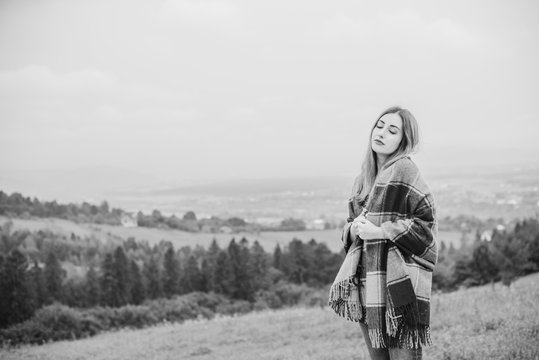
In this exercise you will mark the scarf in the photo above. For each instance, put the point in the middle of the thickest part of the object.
(386, 283)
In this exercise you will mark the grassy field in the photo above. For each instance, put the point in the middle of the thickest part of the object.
(268, 239)
(490, 322)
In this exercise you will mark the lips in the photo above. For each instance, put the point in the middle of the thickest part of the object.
(378, 142)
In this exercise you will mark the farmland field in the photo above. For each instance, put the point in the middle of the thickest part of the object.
(489, 322)
(268, 239)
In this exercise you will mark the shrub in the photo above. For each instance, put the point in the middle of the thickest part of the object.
(51, 323)
(265, 299)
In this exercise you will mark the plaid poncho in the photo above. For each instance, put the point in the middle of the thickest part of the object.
(386, 283)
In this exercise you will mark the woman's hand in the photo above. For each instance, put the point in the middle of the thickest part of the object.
(365, 229)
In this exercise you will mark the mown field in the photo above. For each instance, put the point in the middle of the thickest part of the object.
(178, 238)
(489, 322)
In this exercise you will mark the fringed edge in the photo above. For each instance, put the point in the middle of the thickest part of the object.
(392, 322)
(378, 340)
(411, 338)
(408, 315)
(338, 301)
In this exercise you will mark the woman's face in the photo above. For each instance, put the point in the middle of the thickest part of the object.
(387, 134)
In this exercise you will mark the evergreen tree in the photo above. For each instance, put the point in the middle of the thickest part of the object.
(326, 266)
(92, 288)
(37, 286)
(137, 286)
(277, 257)
(152, 277)
(54, 275)
(223, 275)
(108, 282)
(121, 278)
(205, 275)
(239, 260)
(296, 261)
(16, 303)
(171, 273)
(463, 273)
(74, 293)
(211, 263)
(485, 268)
(192, 276)
(259, 267)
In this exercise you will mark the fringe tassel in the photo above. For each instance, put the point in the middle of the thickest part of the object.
(377, 338)
(409, 314)
(340, 302)
(411, 338)
(392, 322)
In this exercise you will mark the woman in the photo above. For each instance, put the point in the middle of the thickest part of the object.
(385, 280)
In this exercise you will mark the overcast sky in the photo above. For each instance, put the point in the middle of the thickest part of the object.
(185, 89)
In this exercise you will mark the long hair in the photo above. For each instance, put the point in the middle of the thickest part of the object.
(408, 144)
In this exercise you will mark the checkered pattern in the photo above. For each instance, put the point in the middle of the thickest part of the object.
(393, 274)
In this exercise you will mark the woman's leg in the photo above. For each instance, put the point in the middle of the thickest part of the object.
(376, 354)
(405, 354)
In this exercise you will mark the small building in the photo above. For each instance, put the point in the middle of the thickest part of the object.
(129, 221)
(486, 235)
(225, 230)
(316, 224)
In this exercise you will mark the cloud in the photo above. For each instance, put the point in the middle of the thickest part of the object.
(202, 13)
(405, 27)
(37, 78)
(86, 102)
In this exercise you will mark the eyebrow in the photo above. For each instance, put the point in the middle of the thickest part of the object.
(395, 126)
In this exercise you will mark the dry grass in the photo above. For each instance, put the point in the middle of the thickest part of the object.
(480, 323)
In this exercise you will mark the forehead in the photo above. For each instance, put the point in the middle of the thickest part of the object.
(392, 119)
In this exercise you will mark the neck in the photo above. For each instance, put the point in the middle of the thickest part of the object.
(380, 161)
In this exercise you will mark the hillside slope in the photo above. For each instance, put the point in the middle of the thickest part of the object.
(478, 323)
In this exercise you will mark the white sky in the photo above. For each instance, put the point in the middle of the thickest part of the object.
(237, 88)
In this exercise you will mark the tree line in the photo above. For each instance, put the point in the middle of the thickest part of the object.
(33, 270)
(504, 256)
(41, 269)
(17, 205)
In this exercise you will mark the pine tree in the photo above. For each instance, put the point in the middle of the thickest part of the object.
(482, 261)
(171, 273)
(137, 288)
(223, 275)
(277, 257)
(211, 263)
(239, 260)
(108, 282)
(296, 262)
(259, 266)
(121, 278)
(152, 277)
(92, 288)
(192, 275)
(54, 275)
(205, 275)
(16, 303)
(36, 280)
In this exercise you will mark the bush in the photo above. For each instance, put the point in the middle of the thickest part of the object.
(234, 307)
(133, 316)
(60, 322)
(51, 323)
(292, 294)
(265, 299)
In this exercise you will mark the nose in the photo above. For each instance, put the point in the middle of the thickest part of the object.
(381, 132)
